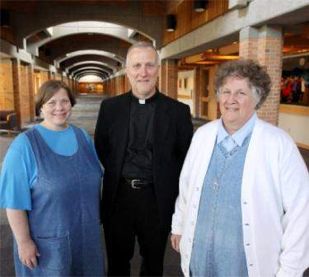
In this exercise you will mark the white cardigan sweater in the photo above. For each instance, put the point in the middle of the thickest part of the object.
(274, 201)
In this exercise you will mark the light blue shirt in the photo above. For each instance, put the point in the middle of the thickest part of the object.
(230, 141)
(19, 168)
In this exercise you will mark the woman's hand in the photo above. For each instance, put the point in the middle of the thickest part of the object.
(175, 240)
(28, 253)
(27, 249)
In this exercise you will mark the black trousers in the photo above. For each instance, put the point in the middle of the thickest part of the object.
(135, 216)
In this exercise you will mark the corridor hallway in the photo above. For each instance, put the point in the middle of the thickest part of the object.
(84, 115)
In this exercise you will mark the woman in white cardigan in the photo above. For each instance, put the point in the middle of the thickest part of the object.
(243, 205)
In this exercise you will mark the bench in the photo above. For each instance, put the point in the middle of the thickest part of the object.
(8, 121)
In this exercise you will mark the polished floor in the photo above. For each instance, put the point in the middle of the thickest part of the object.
(84, 115)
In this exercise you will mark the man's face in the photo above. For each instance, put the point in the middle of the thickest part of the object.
(142, 70)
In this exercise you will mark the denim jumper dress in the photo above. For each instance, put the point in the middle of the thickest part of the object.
(64, 220)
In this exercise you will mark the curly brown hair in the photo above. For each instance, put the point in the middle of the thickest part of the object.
(258, 79)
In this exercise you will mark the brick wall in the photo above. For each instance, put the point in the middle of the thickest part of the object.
(24, 94)
(270, 55)
(265, 46)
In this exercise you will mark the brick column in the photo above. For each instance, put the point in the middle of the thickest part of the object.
(127, 85)
(267, 50)
(169, 76)
(162, 77)
(24, 92)
(75, 87)
(31, 77)
(270, 55)
(70, 83)
(248, 43)
(16, 89)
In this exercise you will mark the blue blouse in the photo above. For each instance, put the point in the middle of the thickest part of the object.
(19, 169)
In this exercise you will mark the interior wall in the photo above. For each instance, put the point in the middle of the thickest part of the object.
(188, 19)
(186, 88)
(90, 87)
(39, 77)
(294, 125)
(6, 85)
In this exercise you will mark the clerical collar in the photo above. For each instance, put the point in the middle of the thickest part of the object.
(144, 101)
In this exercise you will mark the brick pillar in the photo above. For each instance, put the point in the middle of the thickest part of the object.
(50, 75)
(76, 87)
(127, 85)
(162, 77)
(24, 92)
(31, 77)
(169, 76)
(73, 88)
(267, 50)
(248, 43)
(70, 83)
(16, 89)
(270, 55)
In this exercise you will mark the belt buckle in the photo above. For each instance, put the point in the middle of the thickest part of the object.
(133, 184)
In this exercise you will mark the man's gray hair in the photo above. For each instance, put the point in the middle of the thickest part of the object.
(143, 44)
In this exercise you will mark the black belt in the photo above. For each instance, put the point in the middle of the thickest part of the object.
(136, 183)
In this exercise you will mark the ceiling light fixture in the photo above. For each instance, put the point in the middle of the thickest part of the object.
(171, 23)
(200, 5)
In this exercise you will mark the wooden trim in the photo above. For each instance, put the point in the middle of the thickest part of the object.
(183, 96)
(301, 145)
(294, 109)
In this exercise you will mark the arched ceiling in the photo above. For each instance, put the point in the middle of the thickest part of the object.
(57, 49)
(52, 30)
(89, 64)
(90, 78)
(61, 32)
(84, 58)
(89, 70)
(89, 52)
(90, 27)
(90, 73)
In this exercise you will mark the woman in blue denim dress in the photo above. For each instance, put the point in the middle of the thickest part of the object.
(50, 186)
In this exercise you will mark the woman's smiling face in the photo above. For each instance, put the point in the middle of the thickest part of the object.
(236, 102)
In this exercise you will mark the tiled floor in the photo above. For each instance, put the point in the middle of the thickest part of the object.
(84, 115)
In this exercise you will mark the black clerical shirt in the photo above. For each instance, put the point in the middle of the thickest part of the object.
(138, 157)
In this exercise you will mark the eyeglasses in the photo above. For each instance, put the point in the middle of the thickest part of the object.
(53, 103)
(239, 94)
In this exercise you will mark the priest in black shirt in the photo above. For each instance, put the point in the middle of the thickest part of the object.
(141, 138)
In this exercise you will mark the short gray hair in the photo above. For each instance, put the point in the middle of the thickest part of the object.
(143, 44)
(258, 79)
